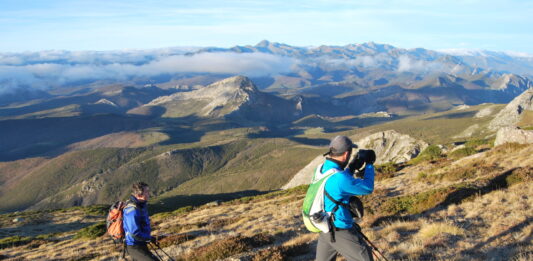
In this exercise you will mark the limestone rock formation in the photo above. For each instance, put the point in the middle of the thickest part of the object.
(511, 114)
(511, 134)
(391, 146)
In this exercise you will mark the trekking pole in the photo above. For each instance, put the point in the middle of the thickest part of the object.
(157, 245)
(374, 247)
(155, 252)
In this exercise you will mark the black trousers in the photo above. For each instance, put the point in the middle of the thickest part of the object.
(348, 243)
(140, 253)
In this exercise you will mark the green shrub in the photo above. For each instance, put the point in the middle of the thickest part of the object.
(179, 211)
(417, 203)
(519, 175)
(46, 236)
(175, 239)
(299, 190)
(91, 232)
(421, 176)
(228, 247)
(96, 210)
(281, 253)
(478, 142)
(432, 152)
(465, 173)
(14, 241)
(462, 152)
(386, 170)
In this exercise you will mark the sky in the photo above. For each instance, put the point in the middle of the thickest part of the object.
(35, 25)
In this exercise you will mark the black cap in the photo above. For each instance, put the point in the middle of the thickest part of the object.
(339, 145)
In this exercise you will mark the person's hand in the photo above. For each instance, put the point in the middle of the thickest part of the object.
(153, 240)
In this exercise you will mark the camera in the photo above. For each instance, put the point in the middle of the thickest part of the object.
(368, 156)
(362, 157)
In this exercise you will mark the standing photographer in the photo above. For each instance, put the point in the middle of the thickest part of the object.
(344, 238)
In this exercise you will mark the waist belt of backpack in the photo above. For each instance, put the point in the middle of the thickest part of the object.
(332, 227)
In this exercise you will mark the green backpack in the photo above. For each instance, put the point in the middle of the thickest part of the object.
(316, 219)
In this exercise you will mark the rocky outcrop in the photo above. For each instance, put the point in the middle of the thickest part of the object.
(516, 135)
(512, 113)
(391, 146)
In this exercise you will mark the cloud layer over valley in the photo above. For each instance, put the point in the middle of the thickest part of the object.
(58, 68)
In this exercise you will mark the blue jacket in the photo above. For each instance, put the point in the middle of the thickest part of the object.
(341, 186)
(136, 223)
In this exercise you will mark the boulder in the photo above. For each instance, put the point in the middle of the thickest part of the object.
(391, 146)
(214, 203)
(512, 113)
(513, 134)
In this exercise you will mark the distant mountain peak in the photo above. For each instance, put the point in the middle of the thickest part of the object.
(238, 82)
(264, 43)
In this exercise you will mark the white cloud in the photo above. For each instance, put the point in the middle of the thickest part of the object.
(407, 64)
(56, 68)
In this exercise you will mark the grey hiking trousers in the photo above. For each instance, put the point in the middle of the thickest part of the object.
(348, 243)
(140, 253)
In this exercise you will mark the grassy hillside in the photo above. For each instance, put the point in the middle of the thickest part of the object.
(106, 174)
(61, 173)
(467, 208)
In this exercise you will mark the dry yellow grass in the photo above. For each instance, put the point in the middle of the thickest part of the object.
(432, 230)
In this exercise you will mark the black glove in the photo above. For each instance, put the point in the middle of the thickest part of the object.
(368, 156)
(153, 240)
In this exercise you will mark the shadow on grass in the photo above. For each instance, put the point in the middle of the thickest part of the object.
(175, 202)
(290, 134)
(51, 136)
(457, 115)
(503, 251)
(43, 229)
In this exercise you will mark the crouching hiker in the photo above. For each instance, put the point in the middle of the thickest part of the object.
(137, 224)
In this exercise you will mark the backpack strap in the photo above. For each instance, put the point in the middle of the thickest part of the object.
(337, 203)
(129, 204)
(332, 216)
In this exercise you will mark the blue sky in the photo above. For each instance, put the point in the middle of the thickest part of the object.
(134, 24)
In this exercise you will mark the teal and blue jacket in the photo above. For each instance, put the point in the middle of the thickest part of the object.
(136, 223)
(341, 186)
